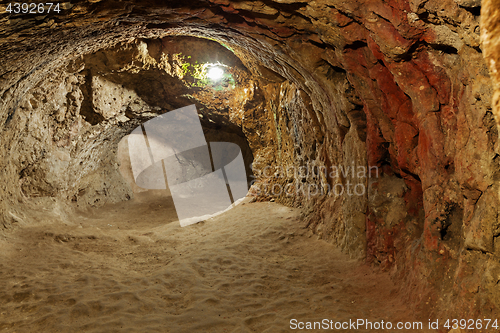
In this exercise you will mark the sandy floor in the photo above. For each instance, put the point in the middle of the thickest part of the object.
(131, 268)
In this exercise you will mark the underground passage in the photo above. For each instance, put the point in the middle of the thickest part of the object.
(250, 166)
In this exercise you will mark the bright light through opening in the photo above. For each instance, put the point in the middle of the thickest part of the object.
(215, 73)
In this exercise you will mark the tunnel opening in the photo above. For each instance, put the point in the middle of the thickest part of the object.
(176, 72)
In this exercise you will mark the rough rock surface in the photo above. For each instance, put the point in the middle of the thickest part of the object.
(397, 85)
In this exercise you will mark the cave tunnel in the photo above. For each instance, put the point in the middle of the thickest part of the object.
(337, 162)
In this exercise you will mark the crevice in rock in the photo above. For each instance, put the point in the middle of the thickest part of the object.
(448, 49)
(451, 230)
(356, 45)
(475, 11)
(87, 110)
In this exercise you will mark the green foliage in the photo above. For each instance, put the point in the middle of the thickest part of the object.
(227, 47)
(196, 74)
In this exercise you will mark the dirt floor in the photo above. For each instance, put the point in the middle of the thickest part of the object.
(130, 267)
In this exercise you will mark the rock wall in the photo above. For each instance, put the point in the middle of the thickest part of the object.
(399, 88)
